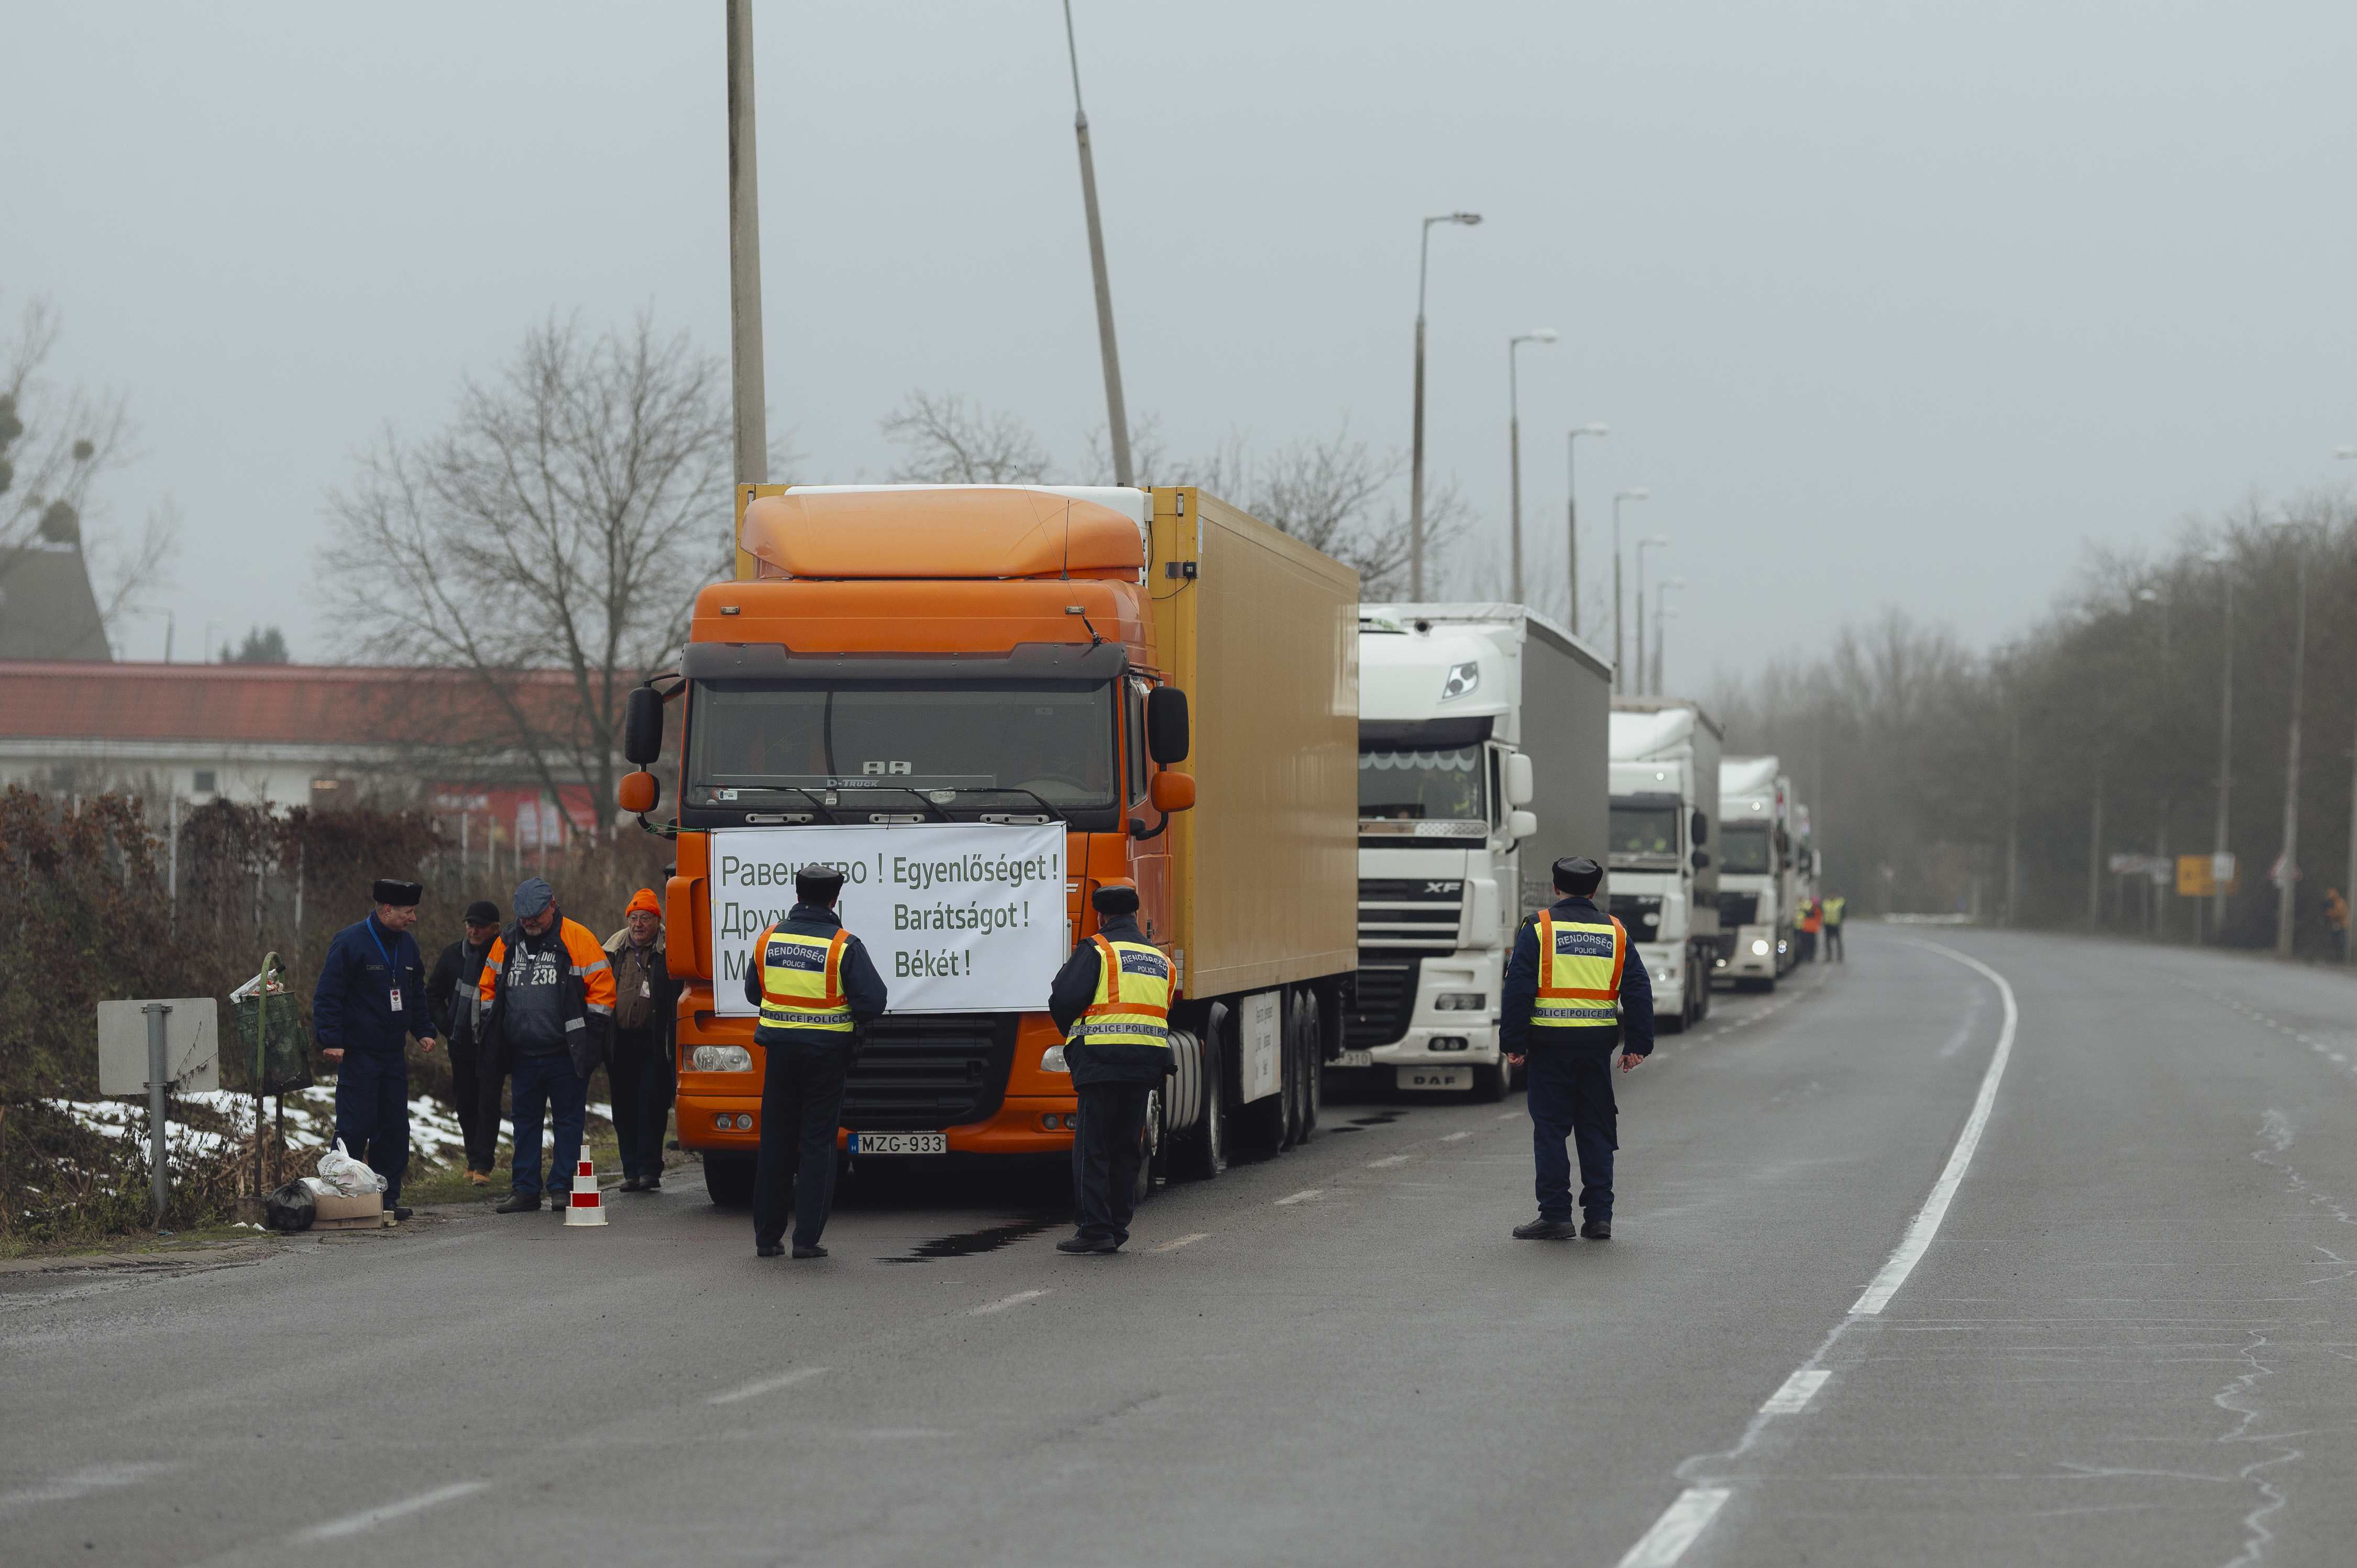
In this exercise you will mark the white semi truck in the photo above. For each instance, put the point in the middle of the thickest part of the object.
(1758, 873)
(1482, 730)
(1664, 865)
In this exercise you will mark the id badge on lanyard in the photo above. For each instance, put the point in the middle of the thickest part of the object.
(393, 996)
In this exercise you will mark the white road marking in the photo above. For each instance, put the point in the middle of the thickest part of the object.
(1018, 1299)
(1926, 1223)
(1302, 1197)
(1456, 1137)
(354, 1524)
(1676, 1529)
(761, 1386)
(80, 1483)
(1511, 1116)
(1798, 1391)
(1388, 1161)
(1181, 1241)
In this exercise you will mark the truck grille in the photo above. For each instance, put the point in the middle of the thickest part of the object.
(926, 1071)
(1385, 996)
(1738, 908)
(1414, 912)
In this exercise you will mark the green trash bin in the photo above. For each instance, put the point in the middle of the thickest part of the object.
(270, 1026)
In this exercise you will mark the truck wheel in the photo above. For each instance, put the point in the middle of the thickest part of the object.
(1201, 1152)
(1702, 1007)
(1290, 1053)
(1313, 1070)
(1490, 1083)
(1149, 1148)
(729, 1179)
(1671, 1023)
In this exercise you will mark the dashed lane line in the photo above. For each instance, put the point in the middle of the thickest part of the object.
(1018, 1299)
(2338, 1058)
(1455, 1137)
(1302, 1197)
(1388, 1161)
(761, 1386)
(385, 1513)
(1676, 1529)
(1798, 1391)
(1174, 1245)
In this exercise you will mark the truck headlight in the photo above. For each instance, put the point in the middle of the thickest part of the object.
(1448, 1043)
(1759, 947)
(721, 1058)
(1052, 1058)
(1462, 679)
(1459, 1001)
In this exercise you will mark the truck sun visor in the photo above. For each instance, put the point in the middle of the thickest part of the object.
(1025, 661)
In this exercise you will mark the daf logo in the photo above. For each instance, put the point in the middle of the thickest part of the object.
(1444, 886)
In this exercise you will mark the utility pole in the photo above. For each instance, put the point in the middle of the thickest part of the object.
(751, 404)
(1571, 509)
(1416, 441)
(1620, 674)
(2225, 758)
(1116, 412)
(1514, 438)
(2288, 881)
(2013, 834)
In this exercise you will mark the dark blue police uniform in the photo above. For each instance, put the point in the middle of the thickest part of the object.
(352, 1011)
(1571, 1083)
(801, 1090)
(1113, 1080)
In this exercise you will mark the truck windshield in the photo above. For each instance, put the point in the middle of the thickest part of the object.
(1743, 849)
(1644, 830)
(1055, 743)
(1421, 786)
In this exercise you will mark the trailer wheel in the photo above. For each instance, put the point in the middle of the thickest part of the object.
(729, 1179)
(1313, 1070)
(1201, 1152)
(1149, 1147)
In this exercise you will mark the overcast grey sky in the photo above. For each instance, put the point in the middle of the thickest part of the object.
(1885, 304)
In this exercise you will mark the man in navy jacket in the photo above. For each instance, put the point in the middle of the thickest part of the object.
(371, 998)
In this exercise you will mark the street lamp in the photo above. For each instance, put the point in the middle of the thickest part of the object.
(1620, 681)
(1662, 613)
(1514, 437)
(2288, 868)
(2349, 887)
(1571, 508)
(1650, 542)
(1416, 464)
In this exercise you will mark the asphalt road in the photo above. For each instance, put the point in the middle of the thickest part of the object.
(2132, 1340)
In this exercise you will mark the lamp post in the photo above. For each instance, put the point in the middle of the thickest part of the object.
(1514, 437)
(1656, 541)
(2349, 887)
(749, 416)
(1619, 678)
(2288, 868)
(1571, 508)
(1116, 409)
(2224, 561)
(1415, 462)
(1662, 613)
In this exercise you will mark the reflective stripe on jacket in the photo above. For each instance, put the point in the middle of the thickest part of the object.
(801, 980)
(1133, 999)
(1580, 973)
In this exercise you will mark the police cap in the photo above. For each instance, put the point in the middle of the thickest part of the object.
(1114, 899)
(816, 883)
(1576, 873)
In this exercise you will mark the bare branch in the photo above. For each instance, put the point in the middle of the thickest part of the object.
(948, 443)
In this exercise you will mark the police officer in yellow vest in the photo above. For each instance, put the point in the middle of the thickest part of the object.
(1111, 999)
(1575, 990)
(814, 983)
(1834, 905)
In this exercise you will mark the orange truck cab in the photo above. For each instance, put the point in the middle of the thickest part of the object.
(979, 702)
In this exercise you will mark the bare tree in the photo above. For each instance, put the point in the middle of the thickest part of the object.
(949, 443)
(1336, 495)
(559, 525)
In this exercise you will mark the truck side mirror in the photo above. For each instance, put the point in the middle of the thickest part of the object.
(640, 793)
(1701, 828)
(1166, 738)
(1519, 786)
(642, 727)
(1520, 825)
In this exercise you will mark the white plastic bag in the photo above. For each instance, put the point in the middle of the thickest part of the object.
(318, 1188)
(347, 1175)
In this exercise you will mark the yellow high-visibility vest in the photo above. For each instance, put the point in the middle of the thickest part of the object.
(801, 980)
(1133, 1000)
(1580, 973)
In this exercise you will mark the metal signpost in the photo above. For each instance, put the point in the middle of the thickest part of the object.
(146, 1049)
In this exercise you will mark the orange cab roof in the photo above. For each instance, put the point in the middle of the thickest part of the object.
(982, 531)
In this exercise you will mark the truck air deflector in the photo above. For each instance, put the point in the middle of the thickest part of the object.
(983, 532)
(1025, 661)
(1431, 734)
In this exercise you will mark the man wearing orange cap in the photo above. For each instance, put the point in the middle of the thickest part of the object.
(642, 1068)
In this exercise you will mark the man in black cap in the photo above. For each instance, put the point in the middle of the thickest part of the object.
(1575, 988)
(452, 992)
(1111, 999)
(814, 985)
(370, 997)
(548, 1008)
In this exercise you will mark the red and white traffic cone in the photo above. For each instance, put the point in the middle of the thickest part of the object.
(588, 1206)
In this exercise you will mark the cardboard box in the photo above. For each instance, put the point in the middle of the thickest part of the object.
(365, 1212)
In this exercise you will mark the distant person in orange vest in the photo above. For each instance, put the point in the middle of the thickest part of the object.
(2336, 920)
(1812, 920)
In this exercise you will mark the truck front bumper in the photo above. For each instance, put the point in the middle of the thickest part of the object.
(1755, 956)
(1020, 1127)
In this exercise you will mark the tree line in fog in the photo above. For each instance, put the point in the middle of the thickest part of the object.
(2004, 784)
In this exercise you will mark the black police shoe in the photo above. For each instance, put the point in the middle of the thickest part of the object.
(401, 1213)
(774, 1249)
(1088, 1244)
(809, 1251)
(1546, 1231)
(519, 1203)
(650, 1184)
(1598, 1230)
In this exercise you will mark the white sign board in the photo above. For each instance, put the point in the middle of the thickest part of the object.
(191, 1046)
(958, 916)
(1256, 1031)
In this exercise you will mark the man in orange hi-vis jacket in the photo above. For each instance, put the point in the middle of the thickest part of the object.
(548, 1007)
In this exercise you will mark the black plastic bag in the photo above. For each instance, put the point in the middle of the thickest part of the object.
(291, 1207)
